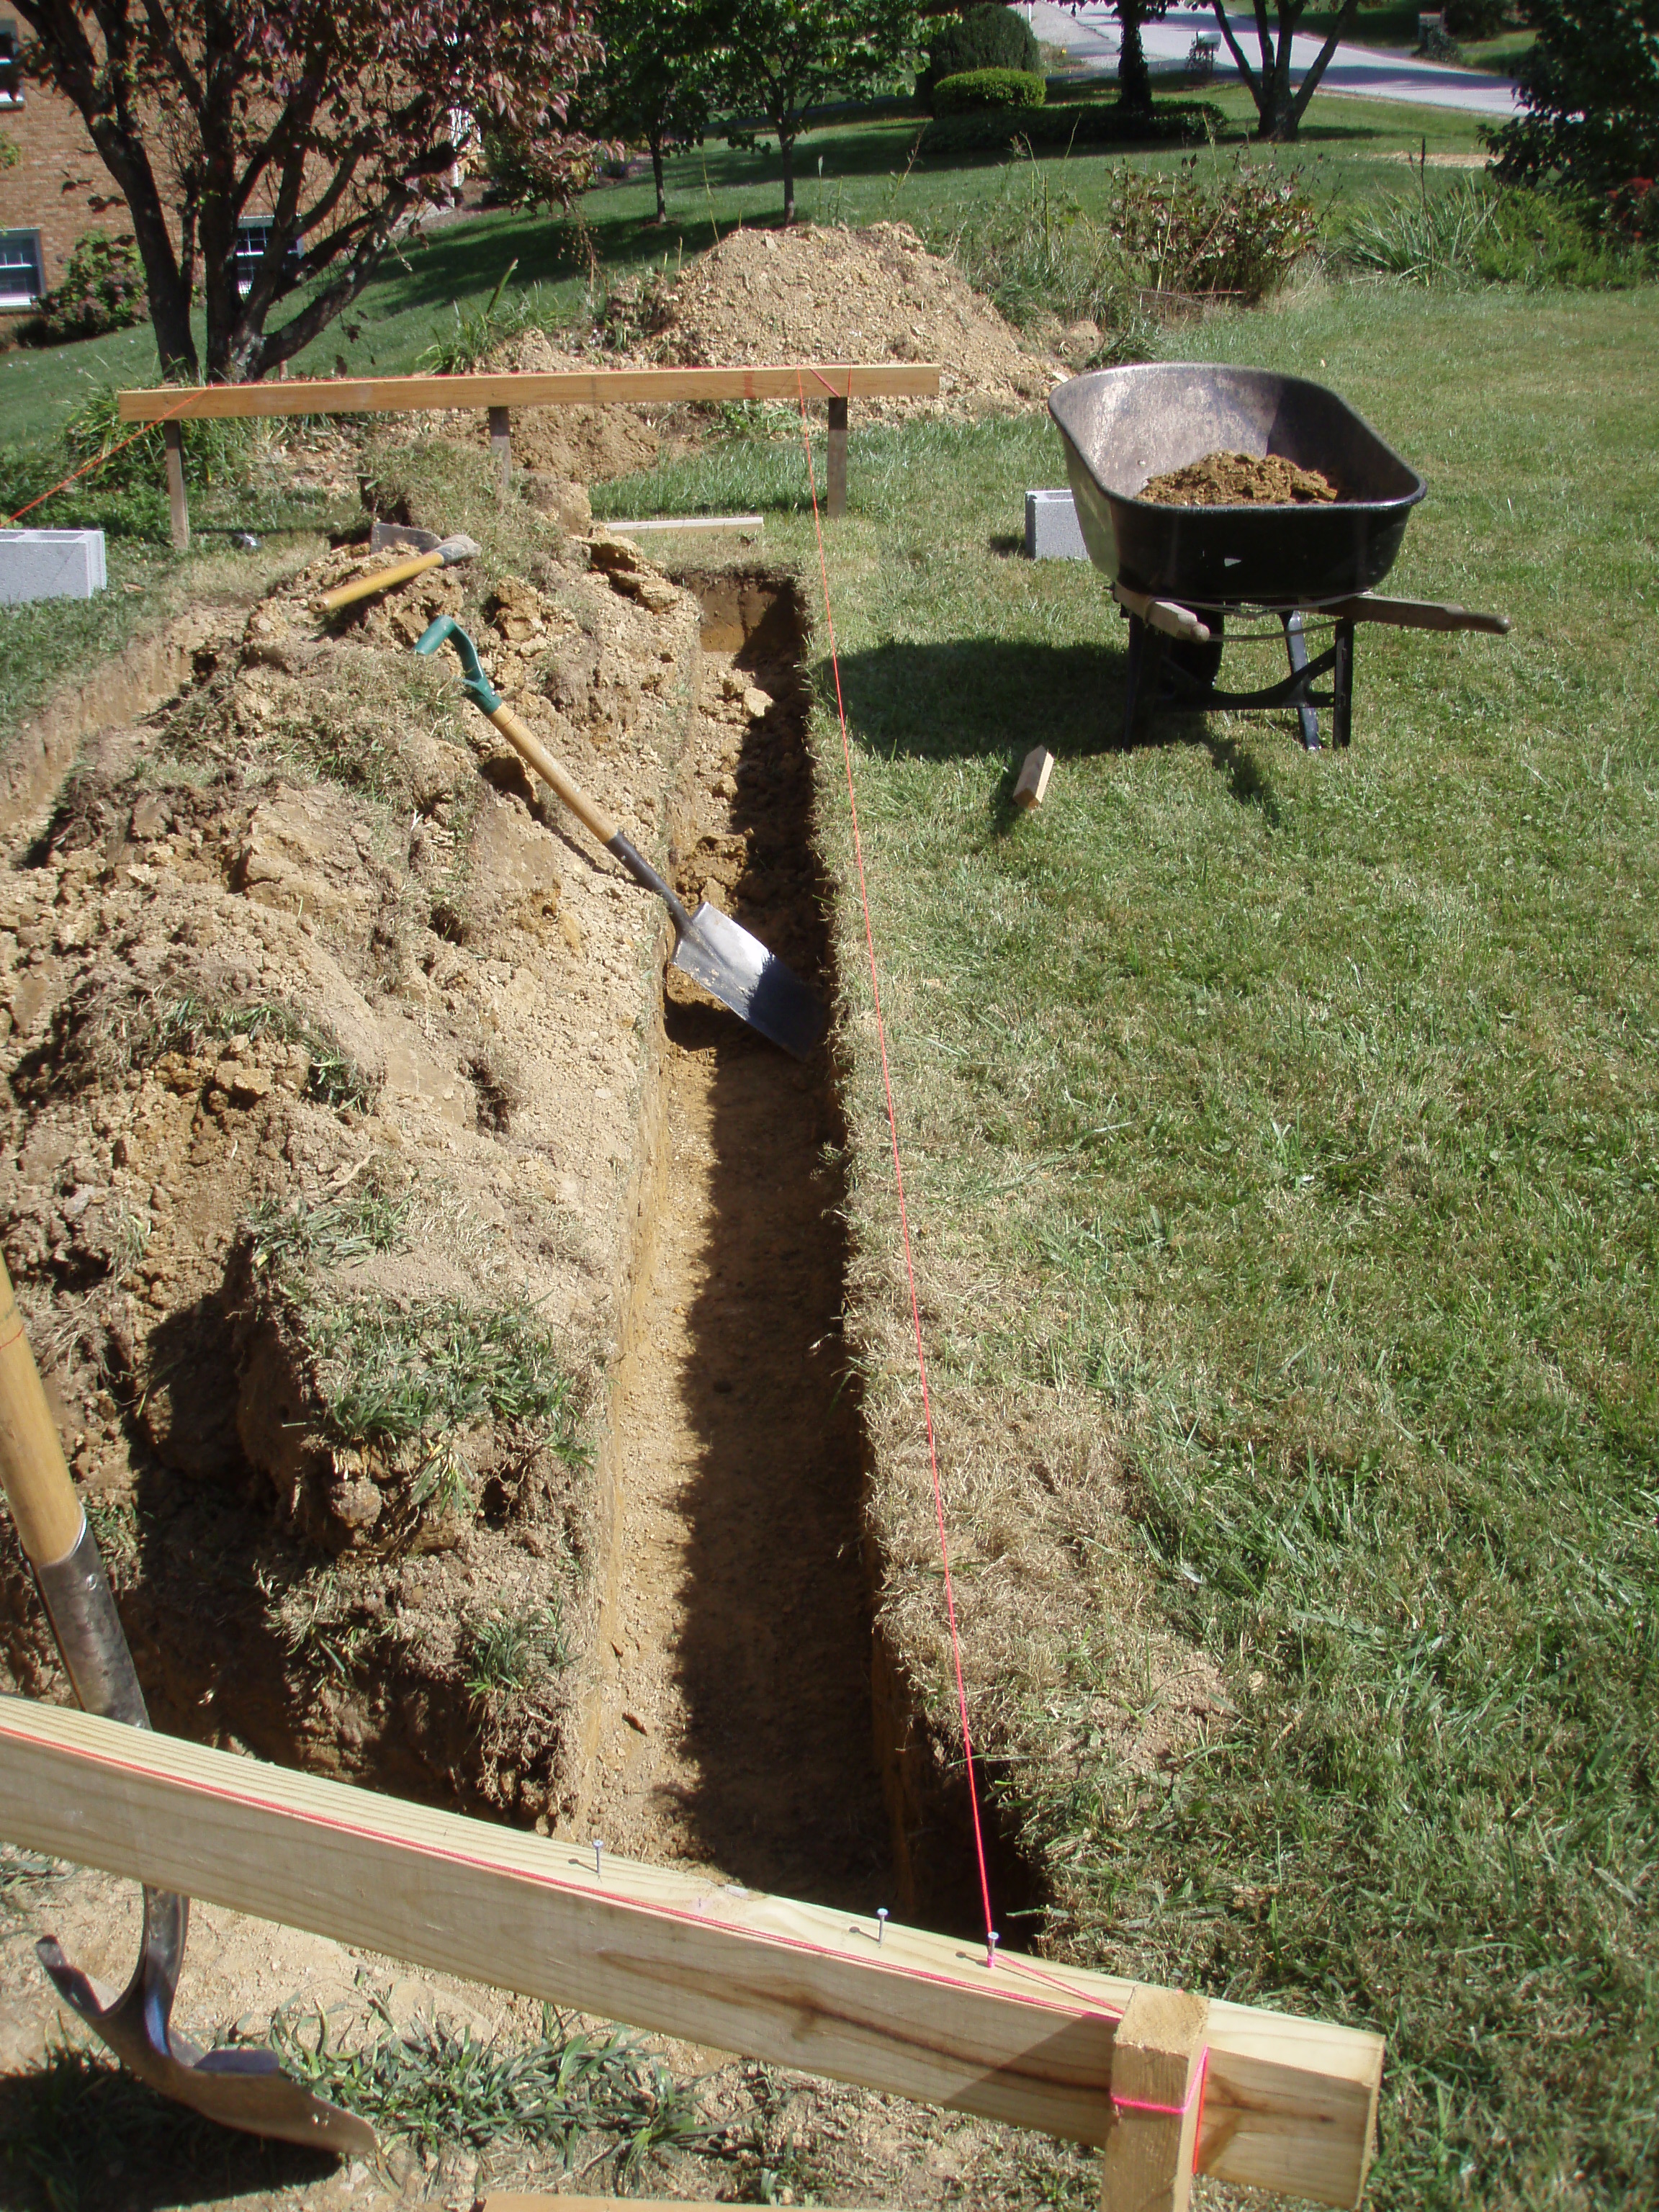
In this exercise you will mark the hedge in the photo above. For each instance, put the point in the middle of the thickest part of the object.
(1073, 123)
(976, 89)
(985, 38)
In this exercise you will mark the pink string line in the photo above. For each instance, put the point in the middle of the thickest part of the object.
(98, 460)
(898, 1180)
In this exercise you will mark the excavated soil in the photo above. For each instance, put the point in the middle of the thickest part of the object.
(865, 295)
(325, 1045)
(1226, 479)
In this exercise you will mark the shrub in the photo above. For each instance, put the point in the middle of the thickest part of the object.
(984, 38)
(1590, 88)
(102, 291)
(1038, 253)
(1477, 233)
(988, 87)
(1072, 123)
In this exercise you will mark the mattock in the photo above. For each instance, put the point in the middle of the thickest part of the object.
(244, 2087)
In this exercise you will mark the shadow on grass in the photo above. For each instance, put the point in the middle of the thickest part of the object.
(79, 2134)
(979, 696)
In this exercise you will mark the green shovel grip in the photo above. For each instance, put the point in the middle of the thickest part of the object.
(476, 685)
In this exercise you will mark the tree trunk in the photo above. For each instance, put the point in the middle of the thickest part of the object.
(787, 147)
(1280, 115)
(1134, 80)
(656, 171)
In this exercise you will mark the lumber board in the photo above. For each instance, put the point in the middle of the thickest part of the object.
(1290, 2104)
(556, 388)
(1033, 781)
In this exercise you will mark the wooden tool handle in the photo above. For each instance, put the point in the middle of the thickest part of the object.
(378, 579)
(37, 1482)
(1418, 614)
(1162, 614)
(530, 749)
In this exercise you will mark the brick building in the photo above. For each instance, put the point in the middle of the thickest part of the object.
(58, 190)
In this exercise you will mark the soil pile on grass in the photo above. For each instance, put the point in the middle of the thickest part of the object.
(875, 294)
(1224, 479)
(324, 1043)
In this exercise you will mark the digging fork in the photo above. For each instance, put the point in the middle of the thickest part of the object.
(242, 2088)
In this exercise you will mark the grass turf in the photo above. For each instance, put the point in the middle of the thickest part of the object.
(1303, 1112)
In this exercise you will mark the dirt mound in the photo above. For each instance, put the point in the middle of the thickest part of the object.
(325, 1040)
(865, 295)
(1225, 479)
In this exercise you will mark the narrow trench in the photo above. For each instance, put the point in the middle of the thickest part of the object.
(734, 1725)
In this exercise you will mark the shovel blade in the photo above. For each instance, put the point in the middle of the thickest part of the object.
(736, 969)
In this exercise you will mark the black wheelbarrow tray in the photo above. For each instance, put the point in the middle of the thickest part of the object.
(1178, 572)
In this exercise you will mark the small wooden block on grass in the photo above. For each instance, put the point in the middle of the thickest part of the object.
(1034, 778)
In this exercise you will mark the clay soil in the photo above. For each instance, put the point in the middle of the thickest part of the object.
(1227, 479)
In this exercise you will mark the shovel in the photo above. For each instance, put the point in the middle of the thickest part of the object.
(241, 2088)
(731, 965)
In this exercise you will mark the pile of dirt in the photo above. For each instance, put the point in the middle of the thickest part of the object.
(875, 294)
(325, 1040)
(1227, 479)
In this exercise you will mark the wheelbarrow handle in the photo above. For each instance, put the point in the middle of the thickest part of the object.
(531, 750)
(42, 1498)
(378, 580)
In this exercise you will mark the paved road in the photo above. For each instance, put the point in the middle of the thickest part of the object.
(1092, 35)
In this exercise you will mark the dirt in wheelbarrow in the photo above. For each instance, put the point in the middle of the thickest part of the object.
(1229, 479)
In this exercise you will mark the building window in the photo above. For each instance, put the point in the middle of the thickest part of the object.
(11, 73)
(21, 284)
(252, 237)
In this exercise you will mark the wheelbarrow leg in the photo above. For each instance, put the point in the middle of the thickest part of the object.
(1342, 685)
(1145, 665)
(1296, 645)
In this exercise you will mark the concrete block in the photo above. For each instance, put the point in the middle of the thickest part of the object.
(51, 564)
(1051, 527)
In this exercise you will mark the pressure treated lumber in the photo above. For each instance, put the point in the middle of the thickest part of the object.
(1290, 2105)
(1032, 783)
(584, 387)
(1157, 2060)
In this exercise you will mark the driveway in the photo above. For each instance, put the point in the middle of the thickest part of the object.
(1091, 35)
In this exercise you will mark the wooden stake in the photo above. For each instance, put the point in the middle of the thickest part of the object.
(1290, 2104)
(836, 502)
(501, 443)
(1157, 2062)
(1034, 778)
(173, 438)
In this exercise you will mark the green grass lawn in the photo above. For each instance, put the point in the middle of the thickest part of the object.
(1300, 1115)
(866, 177)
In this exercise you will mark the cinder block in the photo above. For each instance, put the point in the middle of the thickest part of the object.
(51, 564)
(1051, 527)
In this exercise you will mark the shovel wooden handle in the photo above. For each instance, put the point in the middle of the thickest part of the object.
(378, 580)
(530, 748)
(37, 1482)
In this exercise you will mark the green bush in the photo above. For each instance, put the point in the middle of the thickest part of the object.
(1072, 123)
(988, 88)
(102, 291)
(1477, 233)
(983, 38)
(1038, 253)
(1589, 86)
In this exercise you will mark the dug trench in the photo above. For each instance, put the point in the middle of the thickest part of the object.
(681, 1661)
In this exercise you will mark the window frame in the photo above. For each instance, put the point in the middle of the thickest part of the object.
(12, 303)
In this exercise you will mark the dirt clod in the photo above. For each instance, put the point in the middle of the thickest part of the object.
(1229, 479)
